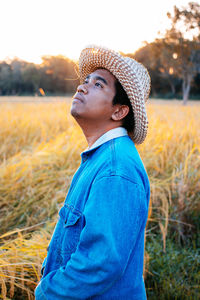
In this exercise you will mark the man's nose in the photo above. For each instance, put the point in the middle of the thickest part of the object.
(82, 89)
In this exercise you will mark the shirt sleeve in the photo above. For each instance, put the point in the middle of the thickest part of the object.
(115, 213)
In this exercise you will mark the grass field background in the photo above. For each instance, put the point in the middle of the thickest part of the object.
(40, 146)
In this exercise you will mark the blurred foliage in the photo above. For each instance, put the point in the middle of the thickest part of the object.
(173, 60)
(56, 75)
(173, 274)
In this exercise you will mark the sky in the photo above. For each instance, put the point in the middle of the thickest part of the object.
(30, 29)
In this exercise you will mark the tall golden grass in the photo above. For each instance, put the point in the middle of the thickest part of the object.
(40, 148)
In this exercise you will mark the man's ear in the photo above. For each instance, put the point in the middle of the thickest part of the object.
(120, 112)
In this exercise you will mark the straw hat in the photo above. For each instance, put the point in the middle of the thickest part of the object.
(132, 75)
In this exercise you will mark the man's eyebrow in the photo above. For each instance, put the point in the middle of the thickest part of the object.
(98, 78)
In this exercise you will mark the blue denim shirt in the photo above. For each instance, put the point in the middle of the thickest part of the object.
(97, 248)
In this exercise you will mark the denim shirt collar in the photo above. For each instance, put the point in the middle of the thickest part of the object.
(109, 135)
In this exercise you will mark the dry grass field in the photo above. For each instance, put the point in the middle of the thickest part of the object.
(40, 147)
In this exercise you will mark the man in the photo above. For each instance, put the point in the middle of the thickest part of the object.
(97, 248)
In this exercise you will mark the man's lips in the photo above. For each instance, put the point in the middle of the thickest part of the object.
(78, 97)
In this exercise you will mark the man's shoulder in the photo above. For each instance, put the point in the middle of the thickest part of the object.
(123, 152)
(120, 157)
(118, 144)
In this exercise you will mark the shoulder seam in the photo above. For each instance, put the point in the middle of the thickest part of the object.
(116, 175)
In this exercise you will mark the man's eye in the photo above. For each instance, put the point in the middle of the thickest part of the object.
(85, 82)
(98, 84)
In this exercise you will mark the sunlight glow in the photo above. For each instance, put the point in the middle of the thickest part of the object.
(175, 55)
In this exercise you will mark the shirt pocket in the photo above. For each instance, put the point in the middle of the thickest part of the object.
(72, 220)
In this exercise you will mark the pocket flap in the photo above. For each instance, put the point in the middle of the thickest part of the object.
(69, 215)
(72, 218)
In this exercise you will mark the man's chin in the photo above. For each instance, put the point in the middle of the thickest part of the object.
(74, 113)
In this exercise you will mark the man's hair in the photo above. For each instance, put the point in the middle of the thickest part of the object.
(122, 98)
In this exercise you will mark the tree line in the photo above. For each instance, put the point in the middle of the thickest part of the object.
(55, 75)
(173, 61)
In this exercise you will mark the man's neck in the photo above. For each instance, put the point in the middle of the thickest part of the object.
(92, 134)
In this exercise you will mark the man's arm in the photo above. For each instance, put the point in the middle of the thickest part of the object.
(114, 214)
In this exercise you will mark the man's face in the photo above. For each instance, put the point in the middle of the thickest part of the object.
(93, 99)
